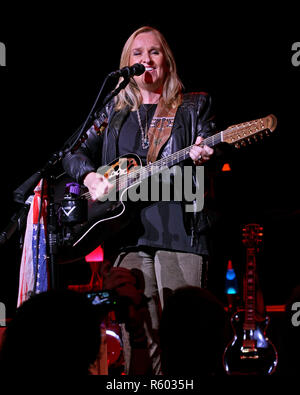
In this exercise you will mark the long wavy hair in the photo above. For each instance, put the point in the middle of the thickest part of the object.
(172, 88)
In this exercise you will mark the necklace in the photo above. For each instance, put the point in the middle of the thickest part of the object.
(144, 131)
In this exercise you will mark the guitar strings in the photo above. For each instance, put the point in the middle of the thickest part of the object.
(123, 180)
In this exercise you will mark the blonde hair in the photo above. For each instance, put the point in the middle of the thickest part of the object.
(172, 89)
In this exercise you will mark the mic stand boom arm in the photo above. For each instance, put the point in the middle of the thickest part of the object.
(24, 190)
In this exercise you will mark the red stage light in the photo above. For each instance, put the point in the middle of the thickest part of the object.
(226, 167)
(95, 256)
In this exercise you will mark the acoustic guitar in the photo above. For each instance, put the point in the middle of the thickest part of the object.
(106, 217)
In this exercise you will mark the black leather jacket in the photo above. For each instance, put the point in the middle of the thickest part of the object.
(194, 118)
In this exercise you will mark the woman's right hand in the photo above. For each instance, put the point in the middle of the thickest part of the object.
(97, 185)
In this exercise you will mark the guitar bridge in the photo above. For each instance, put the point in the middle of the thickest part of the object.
(249, 350)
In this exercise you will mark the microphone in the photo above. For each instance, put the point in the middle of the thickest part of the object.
(126, 72)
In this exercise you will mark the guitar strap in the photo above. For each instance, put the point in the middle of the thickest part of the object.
(160, 129)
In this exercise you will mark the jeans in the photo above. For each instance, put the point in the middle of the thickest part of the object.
(159, 273)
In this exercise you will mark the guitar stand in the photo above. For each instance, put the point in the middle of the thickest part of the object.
(52, 236)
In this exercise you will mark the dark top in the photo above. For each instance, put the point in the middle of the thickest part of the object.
(130, 137)
(160, 224)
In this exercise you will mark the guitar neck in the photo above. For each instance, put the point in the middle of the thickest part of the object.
(177, 157)
(232, 135)
(250, 290)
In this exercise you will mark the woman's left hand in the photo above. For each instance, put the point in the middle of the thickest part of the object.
(200, 153)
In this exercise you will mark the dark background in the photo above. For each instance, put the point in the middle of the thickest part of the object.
(57, 60)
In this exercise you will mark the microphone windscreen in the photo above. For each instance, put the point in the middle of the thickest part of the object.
(139, 68)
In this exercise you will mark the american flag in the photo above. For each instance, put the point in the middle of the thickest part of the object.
(34, 276)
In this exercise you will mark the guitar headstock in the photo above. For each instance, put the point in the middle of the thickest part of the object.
(252, 235)
(242, 133)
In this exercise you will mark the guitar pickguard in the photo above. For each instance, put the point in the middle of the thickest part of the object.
(120, 167)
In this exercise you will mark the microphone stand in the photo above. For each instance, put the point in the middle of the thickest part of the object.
(16, 222)
(24, 190)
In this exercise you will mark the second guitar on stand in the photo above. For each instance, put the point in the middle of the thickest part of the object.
(250, 352)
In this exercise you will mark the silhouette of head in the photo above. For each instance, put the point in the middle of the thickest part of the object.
(55, 332)
(192, 333)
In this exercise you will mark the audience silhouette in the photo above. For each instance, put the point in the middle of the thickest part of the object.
(192, 333)
(57, 332)
(53, 333)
